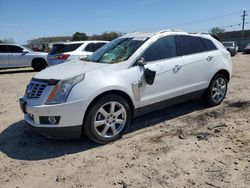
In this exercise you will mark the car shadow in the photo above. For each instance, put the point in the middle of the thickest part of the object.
(15, 71)
(166, 114)
(19, 141)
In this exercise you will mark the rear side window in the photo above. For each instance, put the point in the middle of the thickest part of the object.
(92, 47)
(163, 48)
(15, 49)
(99, 45)
(3, 49)
(61, 48)
(187, 45)
(209, 44)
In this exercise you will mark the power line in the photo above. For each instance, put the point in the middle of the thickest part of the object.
(192, 22)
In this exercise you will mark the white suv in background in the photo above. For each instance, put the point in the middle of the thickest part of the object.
(68, 51)
(132, 75)
(13, 55)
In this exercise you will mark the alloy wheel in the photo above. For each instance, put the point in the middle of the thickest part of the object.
(110, 119)
(219, 90)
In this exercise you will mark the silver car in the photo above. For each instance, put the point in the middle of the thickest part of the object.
(13, 55)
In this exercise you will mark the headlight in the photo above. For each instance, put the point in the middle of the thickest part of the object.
(61, 91)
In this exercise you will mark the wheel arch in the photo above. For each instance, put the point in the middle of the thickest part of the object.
(38, 58)
(222, 71)
(117, 92)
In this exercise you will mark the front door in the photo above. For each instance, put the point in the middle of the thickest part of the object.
(4, 56)
(16, 57)
(161, 56)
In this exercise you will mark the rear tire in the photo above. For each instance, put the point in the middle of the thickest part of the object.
(107, 119)
(39, 64)
(217, 90)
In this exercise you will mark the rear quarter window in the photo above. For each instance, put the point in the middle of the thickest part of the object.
(209, 44)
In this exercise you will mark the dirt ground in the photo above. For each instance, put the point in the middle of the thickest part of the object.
(188, 145)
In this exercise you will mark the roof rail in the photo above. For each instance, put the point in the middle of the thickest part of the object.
(199, 33)
(213, 35)
(169, 30)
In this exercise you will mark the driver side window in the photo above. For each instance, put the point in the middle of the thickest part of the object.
(15, 49)
(163, 48)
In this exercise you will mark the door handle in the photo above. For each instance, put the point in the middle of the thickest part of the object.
(209, 58)
(177, 68)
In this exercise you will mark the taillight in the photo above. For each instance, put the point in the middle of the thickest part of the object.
(62, 56)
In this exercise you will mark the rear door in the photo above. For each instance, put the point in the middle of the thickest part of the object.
(16, 57)
(195, 64)
(4, 56)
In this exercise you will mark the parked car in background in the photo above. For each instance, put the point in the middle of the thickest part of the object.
(247, 49)
(13, 55)
(68, 51)
(231, 47)
(132, 75)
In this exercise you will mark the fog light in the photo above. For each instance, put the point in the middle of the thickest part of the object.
(52, 119)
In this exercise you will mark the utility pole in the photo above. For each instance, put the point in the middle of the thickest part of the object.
(243, 26)
(243, 23)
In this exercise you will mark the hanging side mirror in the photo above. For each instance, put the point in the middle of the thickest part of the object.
(149, 76)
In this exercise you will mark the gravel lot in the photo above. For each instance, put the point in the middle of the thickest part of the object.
(188, 145)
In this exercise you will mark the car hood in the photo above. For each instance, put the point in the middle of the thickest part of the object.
(68, 70)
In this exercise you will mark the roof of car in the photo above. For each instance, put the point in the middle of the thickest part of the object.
(8, 44)
(150, 34)
(76, 42)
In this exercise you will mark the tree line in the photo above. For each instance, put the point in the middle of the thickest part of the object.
(77, 36)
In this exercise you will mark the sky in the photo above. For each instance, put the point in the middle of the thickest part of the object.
(22, 20)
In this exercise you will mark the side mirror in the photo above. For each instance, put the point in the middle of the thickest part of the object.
(141, 61)
(25, 51)
(149, 76)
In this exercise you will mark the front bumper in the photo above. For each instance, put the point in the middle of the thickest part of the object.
(71, 132)
(71, 118)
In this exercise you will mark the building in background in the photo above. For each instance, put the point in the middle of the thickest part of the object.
(236, 37)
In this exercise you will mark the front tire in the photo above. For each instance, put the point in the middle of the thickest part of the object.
(217, 90)
(108, 118)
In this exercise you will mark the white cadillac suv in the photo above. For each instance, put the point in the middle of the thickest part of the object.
(13, 55)
(133, 75)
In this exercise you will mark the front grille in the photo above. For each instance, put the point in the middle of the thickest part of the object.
(35, 89)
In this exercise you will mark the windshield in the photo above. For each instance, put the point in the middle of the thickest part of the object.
(117, 50)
